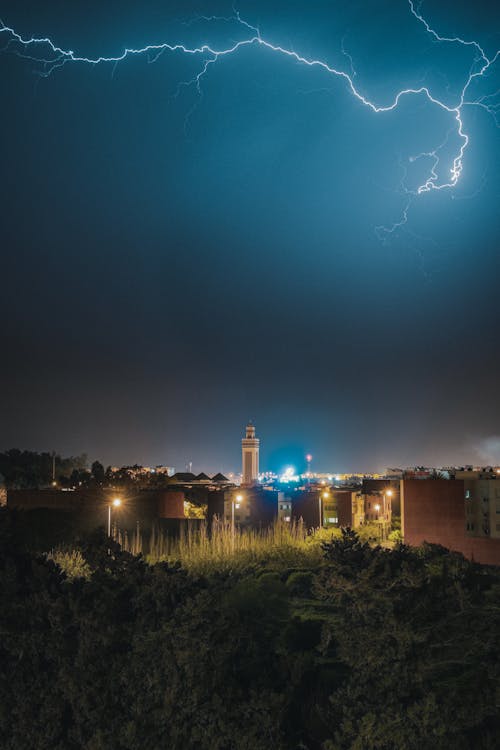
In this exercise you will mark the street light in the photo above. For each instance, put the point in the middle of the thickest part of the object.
(385, 495)
(116, 504)
(235, 503)
(322, 496)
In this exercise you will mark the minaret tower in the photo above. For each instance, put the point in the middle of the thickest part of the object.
(250, 457)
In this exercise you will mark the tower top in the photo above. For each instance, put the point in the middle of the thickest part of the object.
(250, 457)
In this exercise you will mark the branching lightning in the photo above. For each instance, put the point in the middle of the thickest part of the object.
(54, 57)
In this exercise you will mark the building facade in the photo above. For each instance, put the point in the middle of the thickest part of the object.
(249, 457)
(455, 513)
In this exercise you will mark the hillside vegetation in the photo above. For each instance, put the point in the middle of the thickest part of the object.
(350, 648)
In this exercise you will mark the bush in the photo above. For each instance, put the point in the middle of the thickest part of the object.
(380, 649)
(300, 583)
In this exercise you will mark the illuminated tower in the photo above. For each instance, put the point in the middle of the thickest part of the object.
(250, 456)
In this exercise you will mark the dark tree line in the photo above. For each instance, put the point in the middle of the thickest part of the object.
(373, 650)
(29, 469)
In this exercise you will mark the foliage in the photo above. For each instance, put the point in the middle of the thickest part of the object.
(362, 648)
(202, 549)
(71, 562)
(370, 532)
(191, 510)
(395, 536)
(28, 469)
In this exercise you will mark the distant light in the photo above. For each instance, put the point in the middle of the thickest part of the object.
(309, 458)
(337, 478)
(326, 494)
(239, 498)
(377, 507)
(117, 502)
(236, 505)
(389, 493)
(289, 475)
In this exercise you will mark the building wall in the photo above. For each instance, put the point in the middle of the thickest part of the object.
(335, 508)
(215, 505)
(345, 510)
(482, 507)
(305, 505)
(379, 486)
(92, 504)
(434, 511)
(170, 504)
(258, 507)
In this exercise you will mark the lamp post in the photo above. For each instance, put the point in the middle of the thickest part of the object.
(387, 493)
(116, 504)
(235, 503)
(322, 496)
(377, 508)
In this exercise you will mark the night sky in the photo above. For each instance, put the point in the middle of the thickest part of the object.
(174, 264)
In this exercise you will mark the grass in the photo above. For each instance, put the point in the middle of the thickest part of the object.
(202, 550)
(71, 561)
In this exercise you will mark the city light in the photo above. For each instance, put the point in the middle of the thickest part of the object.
(116, 502)
(289, 475)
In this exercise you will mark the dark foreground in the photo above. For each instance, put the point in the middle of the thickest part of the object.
(373, 649)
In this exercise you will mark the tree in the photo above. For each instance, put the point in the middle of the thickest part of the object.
(98, 472)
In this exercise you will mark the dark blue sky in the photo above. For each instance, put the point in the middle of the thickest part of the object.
(173, 265)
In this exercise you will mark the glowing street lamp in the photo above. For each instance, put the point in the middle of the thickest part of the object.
(235, 503)
(322, 496)
(385, 495)
(116, 504)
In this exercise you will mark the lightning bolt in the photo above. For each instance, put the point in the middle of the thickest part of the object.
(56, 57)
